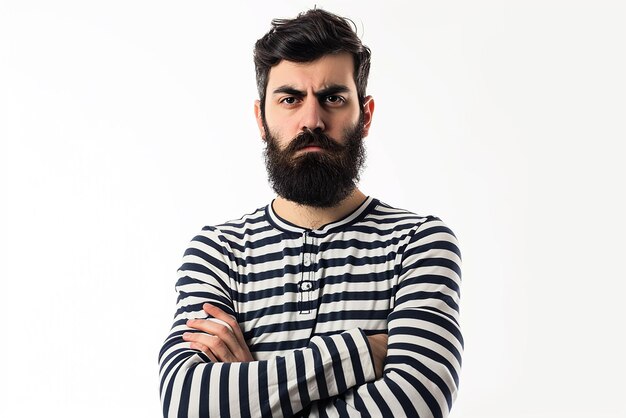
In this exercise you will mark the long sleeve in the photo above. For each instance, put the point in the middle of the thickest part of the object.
(192, 386)
(421, 374)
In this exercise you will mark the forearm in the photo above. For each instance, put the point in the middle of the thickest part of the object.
(420, 378)
(281, 386)
(422, 367)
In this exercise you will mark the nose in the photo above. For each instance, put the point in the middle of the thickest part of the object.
(312, 116)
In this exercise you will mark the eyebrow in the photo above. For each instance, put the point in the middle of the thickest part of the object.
(326, 91)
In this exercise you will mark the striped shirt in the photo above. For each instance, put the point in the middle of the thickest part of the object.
(305, 301)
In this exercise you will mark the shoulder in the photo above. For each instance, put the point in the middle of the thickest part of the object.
(416, 229)
(406, 220)
(236, 230)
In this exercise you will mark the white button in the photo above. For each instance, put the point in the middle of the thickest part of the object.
(306, 286)
(307, 262)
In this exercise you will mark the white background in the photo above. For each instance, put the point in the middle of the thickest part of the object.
(126, 126)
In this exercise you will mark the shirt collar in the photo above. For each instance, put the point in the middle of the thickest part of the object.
(284, 225)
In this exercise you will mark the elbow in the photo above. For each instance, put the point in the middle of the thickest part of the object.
(177, 370)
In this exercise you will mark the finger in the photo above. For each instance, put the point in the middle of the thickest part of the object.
(220, 349)
(226, 328)
(217, 313)
(205, 350)
(195, 340)
(212, 327)
(214, 343)
(224, 334)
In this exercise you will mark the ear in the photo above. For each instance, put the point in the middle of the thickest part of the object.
(259, 118)
(368, 112)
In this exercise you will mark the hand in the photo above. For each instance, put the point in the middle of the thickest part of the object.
(221, 339)
(378, 345)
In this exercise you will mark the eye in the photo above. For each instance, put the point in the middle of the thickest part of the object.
(290, 100)
(334, 100)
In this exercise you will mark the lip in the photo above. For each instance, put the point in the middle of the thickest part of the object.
(311, 148)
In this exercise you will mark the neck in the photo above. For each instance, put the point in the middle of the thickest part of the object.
(311, 217)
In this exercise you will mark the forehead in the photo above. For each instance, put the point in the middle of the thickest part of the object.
(327, 70)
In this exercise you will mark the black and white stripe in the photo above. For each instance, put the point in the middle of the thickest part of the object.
(306, 300)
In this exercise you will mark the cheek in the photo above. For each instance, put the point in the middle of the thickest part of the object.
(279, 123)
(342, 123)
(275, 134)
(280, 129)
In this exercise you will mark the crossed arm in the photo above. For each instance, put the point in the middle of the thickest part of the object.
(194, 386)
(222, 340)
(203, 375)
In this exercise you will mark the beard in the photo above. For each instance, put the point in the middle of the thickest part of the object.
(320, 179)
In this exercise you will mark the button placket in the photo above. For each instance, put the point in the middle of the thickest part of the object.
(306, 285)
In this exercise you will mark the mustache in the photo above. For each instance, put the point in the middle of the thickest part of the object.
(316, 138)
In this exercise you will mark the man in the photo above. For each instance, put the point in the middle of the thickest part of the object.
(326, 301)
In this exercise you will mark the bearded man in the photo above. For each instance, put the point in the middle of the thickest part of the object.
(326, 302)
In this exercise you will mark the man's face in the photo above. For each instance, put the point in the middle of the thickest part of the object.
(313, 125)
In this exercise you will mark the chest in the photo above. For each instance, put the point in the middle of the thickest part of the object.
(291, 290)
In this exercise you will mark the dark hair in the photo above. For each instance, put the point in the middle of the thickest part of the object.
(307, 37)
